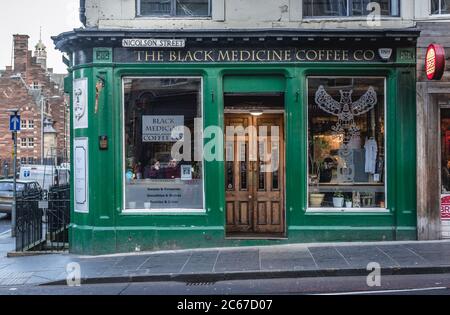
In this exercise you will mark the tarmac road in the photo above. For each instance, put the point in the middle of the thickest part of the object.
(390, 285)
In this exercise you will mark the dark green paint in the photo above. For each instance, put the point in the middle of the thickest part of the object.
(106, 229)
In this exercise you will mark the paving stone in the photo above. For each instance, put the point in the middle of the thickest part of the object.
(237, 260)
(165, 263)
(361, 256)
(287, 259)
(437, 259)
(201, 262)
(9, 273)
(403, 256)
(429, 248)
(13, 281)
(51, 275)
(36, 280)
(328, 258)
(131, 262)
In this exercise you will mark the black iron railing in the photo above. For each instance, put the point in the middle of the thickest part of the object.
(28, 224)
(42, 225)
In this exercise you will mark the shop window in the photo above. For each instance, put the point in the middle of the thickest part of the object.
(163, 171)
(30, 160)
(440, 6)
(23, 160)
(322, 8)
(174, 7)
(346, 143)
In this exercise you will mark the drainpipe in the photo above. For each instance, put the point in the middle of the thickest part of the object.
(83, 12)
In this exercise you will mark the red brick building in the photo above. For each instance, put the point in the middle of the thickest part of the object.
(39, 95)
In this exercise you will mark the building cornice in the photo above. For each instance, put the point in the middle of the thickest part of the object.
(93, 37)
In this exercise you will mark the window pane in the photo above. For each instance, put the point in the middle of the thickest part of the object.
(346, 137)
(348, 7)
(325, 7)
(435, 6)
(445, 150)
(445, 7)
(155, 112)
(192, 7)
(155, 7)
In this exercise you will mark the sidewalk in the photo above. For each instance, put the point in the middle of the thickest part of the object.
(211, 265)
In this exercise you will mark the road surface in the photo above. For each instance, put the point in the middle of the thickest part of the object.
(390, 285)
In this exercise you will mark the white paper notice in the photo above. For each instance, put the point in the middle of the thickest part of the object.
(162, 128)
(186, 172)
(80, 103)
(81, 178)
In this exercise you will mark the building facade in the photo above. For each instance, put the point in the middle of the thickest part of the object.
(433, 125)
(38, 94)
(226, 123)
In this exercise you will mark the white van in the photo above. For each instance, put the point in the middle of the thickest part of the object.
(45, 175)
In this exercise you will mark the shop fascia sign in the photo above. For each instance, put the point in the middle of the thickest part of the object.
(286, 54)
(435, 62)
(153, 43)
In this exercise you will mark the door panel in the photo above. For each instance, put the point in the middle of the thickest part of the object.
(254, 180)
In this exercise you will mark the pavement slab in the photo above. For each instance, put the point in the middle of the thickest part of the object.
(131, 262)
(201, 262)
(165, 263)
(403, 256)
(285, 259)
(302, 260)
(361, 256)
(329, 258)
(237, 260)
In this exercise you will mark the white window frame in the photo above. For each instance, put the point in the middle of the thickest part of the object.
(30, 143)
(23, 124)
(352, 17)
(175, 211)
(440, 10)
(173, 12)
(23, 142)
(35, 85)
(386, 154)
(30, 124)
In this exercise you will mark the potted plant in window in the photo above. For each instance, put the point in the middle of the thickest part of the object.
(338, 200)
(348, 202)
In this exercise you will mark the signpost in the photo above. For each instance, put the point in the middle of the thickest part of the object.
(14, 127)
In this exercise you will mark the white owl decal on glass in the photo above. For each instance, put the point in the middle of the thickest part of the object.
(346, 110)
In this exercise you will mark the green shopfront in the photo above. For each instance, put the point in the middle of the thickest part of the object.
(211, 139)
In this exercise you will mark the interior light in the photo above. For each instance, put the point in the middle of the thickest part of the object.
(256, 112)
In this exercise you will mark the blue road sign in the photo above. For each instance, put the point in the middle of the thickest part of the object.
(14, 123)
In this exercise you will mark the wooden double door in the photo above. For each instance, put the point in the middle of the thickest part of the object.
(254, 175)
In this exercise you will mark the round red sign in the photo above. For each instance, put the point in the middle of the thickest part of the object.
(435, 62)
